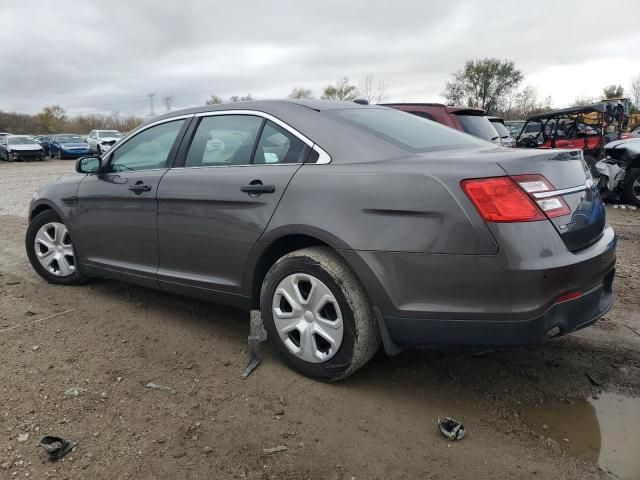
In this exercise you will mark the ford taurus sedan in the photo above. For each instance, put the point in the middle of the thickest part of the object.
(346, 225)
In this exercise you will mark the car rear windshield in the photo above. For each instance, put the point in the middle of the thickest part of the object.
(478, 126)
(501, 129)
(405, 130)
(109, 134)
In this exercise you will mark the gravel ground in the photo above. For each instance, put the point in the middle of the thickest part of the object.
(111, 339)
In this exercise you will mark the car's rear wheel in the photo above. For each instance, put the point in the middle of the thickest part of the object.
(50, 250)
(632, 187)
(317, 314)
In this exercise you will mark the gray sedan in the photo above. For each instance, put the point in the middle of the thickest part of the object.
(346, 225)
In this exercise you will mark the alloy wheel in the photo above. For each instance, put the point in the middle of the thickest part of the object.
(53, 249)
(635, 189)
(307, 318)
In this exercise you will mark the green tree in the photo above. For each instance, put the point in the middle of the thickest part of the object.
(52, 118)
(342, 90)
(300, 92)
(613, 91)
(483, 83)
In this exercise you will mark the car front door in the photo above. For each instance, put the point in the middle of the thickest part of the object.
(115, 230)
(214, 207)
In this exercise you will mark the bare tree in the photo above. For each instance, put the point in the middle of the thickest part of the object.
(214, 100)
(584, 100)
(300, 92)
(372, 89)
(613, 91)
(243, 98)
(342, 90)
(635, 91)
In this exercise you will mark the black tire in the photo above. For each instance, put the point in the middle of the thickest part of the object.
(361, 337)
(38, 221)
(632, 196)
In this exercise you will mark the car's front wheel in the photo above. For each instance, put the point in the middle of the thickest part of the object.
(50, 250)
(632, 187)
(317, 314)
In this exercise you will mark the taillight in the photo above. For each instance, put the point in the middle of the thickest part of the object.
(552, 206)
(500, 199)
(513, 199)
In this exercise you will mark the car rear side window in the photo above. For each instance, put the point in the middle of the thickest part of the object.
(405, 130)
(146, 150)
(478, 126)
(224, 140)
(276, 145)
(501, 129)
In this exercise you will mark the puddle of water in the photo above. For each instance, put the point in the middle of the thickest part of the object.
(605, 431)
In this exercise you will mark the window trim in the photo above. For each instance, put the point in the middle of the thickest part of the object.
(323, 157)
(108, 157)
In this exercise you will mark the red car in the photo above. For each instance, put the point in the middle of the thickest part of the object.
(466, 119)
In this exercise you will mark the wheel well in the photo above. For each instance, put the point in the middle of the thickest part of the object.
(278, 249)
(39, 209)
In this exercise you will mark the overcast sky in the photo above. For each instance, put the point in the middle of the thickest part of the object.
(91, 56)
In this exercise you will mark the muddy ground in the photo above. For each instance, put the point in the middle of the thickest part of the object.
(111, 339)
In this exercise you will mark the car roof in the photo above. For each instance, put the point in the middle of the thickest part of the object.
(449, 108)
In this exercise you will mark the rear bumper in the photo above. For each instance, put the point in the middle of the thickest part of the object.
(560, 319)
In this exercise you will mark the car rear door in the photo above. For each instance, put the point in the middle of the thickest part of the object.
(115, 230)
(215, 206)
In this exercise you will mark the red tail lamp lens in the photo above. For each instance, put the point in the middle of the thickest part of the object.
(500, 199)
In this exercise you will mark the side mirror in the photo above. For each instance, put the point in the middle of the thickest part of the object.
(88, 165)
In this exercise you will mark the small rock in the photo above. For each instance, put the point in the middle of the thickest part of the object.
(207, 450)
(35, 348)
(119, 379)
(74, 391)
(279, 412)
(23, 438)
(103, 395)
(5, 466)
(13, 282)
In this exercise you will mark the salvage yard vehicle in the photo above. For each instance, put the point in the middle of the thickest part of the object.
(19, 148)
(43, 140)
(68, 145)
(505, 136)
(619, 172)
(588, 128)
(346, 225)
(102, 140)
(470, 120)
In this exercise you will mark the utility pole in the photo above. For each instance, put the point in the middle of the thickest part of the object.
(151, 112)
(168, 102)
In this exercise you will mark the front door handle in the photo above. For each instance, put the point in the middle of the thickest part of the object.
(258, 188)
(140, 187)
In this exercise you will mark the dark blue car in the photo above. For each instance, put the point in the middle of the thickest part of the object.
(44, 140)
(68, 146)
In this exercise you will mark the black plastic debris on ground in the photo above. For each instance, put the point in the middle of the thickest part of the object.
(450, 428)
(57, 447)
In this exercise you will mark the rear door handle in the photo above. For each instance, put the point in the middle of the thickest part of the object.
(140, 187)
(258, 189)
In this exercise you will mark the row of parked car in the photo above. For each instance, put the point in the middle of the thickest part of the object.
(64, 145)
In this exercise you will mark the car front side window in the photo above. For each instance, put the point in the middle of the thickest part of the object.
(224, 140)
(147, 150)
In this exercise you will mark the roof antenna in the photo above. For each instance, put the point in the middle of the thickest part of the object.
(361, 101)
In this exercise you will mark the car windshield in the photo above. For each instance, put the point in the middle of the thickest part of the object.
(22, 141)
(405, 130)
(109, 134)
(501, 129)
(69, 139)
(478, 126)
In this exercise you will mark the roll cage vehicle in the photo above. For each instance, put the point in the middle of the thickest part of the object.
(588, 128)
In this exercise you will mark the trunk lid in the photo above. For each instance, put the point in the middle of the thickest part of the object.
(567, 171)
